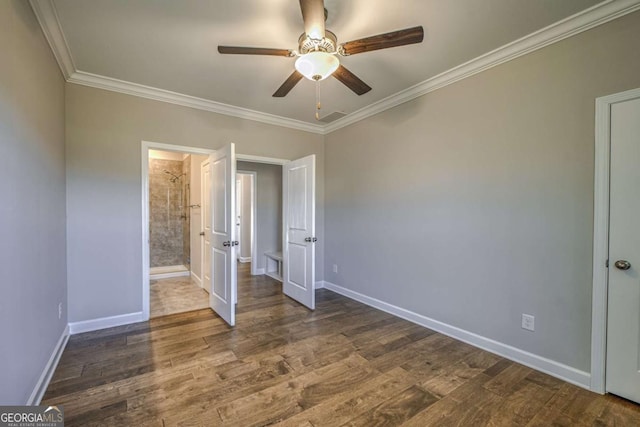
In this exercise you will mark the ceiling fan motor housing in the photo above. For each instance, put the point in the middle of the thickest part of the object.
(326, 44)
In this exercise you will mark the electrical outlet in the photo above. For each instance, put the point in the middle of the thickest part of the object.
(528, 322)
(59, 311)
(335, 268)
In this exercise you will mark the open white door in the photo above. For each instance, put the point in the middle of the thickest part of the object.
(623, 326)
(222, 166)
(299, 227)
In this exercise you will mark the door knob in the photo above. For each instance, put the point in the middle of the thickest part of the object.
(226, 243)
(622, 264)
(307, 239)
(202, 233)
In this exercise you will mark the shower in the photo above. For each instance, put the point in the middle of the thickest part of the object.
(183, 202)
(174, 178)
(169, 219)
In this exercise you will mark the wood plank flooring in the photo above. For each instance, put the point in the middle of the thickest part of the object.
(343, 365)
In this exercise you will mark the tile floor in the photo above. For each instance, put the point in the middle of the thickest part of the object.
(176, 295)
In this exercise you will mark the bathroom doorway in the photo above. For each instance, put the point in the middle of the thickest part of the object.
(173, 216)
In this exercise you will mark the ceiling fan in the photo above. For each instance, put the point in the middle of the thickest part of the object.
(318, 50)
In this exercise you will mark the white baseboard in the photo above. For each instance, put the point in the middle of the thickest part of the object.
(105, 322)
(244, 259)
(274, 276)
(49, 369)
(548, 366)
(320, 284)
(169, 275)
(258, 271)
(168, 271)
(196, 279)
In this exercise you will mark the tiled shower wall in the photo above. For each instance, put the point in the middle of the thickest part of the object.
(168, 210)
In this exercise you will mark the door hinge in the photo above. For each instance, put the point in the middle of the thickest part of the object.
(606, 264)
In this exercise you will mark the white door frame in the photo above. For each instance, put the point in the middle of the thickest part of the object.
(260, 159)
(601, 235)
(203, 225)
(146, 146)
(254, 219)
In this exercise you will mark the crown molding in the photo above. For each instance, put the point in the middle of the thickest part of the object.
(47, 17)
(601, 13)
(115, 85)
(575, 24)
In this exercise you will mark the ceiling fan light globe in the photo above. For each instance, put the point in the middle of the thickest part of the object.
(317, 65)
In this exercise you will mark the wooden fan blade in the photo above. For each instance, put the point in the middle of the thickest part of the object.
(288, 84)
(237, 50)
(313, 16)
(384, 41)
(351, 81)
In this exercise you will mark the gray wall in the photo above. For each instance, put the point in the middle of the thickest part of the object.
(245, 215)
(473, 204)
(269, 207)
(32, 211)
(104, 131)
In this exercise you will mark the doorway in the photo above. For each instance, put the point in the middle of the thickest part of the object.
(172, 288)
(289, 191)
(298, 219)
(261, 214)
(616, 282)
(246, 217)
(258, 216)
(171, 222)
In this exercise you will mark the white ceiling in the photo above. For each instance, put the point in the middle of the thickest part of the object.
(171, 44)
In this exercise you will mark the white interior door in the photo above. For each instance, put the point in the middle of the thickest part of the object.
(623, 324)
(299, 197)
(223, 266)
(205, 248)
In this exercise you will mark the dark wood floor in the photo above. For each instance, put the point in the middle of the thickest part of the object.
(344, 364)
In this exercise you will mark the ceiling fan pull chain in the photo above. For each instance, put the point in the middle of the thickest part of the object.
(318, 106)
